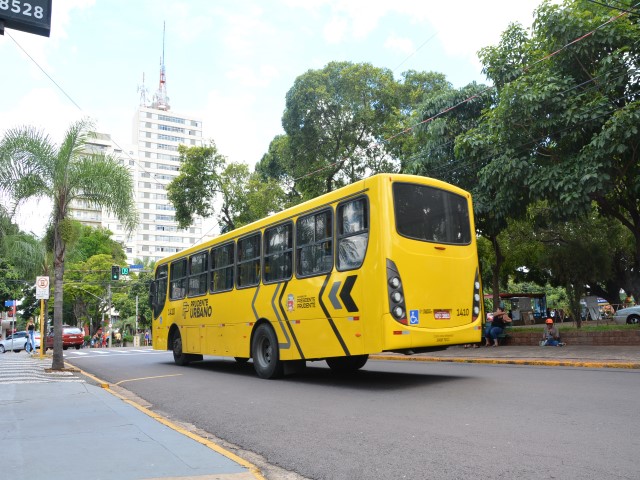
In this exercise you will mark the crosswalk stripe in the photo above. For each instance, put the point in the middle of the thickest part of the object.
(22, 368)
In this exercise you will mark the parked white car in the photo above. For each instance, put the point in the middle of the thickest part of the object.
(629, 315)
(17, 342)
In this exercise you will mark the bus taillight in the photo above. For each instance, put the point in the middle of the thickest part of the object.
(396, 294)
(476, 298)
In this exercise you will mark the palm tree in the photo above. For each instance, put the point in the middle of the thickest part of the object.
(33, 167)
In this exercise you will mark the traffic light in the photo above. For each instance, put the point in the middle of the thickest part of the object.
(115, 272)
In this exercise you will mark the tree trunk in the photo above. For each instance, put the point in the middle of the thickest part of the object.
(496, 272)
(574, 301)
(58, 271)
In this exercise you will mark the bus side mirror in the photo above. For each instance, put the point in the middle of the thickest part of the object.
(153, 295)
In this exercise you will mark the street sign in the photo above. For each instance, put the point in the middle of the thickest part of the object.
(32, 16)
(137, 266)
(124, 271)
(42, 288)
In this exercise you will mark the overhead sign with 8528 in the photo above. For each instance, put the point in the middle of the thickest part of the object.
(32, 16)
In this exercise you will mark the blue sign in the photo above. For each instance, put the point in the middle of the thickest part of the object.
(10, 303)
(136, 267)
(414, 318)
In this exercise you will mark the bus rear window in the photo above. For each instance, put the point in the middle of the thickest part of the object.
(430, 214)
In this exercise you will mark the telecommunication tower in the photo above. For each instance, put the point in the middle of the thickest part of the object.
(160, 98)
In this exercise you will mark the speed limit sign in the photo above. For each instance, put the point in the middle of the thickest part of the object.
(42, 288)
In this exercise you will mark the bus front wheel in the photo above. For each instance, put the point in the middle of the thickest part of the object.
(265, 353)
(347, 364)
(181, 358)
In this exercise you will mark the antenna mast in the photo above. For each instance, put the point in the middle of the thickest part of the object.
(142, 90)
(160, 98)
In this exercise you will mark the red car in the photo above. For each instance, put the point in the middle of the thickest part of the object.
(71, 337)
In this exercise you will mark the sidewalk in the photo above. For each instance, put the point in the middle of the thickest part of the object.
(76, 430)
(568, 356)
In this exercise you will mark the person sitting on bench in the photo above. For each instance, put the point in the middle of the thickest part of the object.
(500, 320)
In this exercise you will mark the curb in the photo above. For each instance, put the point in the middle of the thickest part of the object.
(511, 361)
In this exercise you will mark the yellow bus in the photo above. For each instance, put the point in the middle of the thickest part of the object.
(388, 263)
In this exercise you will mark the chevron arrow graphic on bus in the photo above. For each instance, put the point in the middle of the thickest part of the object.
(345, 294)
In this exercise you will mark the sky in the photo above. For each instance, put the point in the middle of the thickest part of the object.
(228, 62)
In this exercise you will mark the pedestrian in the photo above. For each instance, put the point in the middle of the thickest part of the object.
(500, 320)
(146, 337)
(550, 335)
(31, 331)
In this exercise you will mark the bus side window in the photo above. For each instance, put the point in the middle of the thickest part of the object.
(248, 261)
(222, 265)
(278, 249)
(353, 233)
(314, 244)
(178, 283)
(198, 271)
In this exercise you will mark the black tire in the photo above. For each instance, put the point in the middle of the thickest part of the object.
(2, 349)
(179, 356)
(266, 353)
(633, 319)
(241, 360)
(347, 364)
(78, 347)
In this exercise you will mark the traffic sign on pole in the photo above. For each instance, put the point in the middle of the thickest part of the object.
(42, 288)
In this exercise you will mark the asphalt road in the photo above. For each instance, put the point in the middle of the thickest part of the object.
(401, 420)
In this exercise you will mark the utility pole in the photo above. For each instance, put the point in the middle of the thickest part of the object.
(109, 311)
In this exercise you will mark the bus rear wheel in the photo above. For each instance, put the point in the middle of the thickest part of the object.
(265, 353)
(347, 364)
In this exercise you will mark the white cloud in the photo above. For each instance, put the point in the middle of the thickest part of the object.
(241, 132)
(399, 44)
(250, 77)
(44, 109)
(335, 30)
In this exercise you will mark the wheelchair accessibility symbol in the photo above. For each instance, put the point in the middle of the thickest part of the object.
(413, 317)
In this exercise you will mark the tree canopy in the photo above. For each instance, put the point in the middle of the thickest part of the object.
(563, 126)
(34, 167)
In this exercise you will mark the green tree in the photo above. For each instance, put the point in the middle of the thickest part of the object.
(565, 123)
(34, 167)
(569, 254)
(335, 119)
(195, 188)
(414, 91)
(205, 178)
(135, 291)
(246, 197)
(86, 288)
(22, 258)
(94, 241)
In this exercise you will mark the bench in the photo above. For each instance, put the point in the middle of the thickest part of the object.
(504, 336)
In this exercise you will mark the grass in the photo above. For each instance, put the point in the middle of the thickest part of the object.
(586, 327)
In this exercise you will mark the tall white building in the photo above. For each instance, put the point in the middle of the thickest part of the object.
(153, 161)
